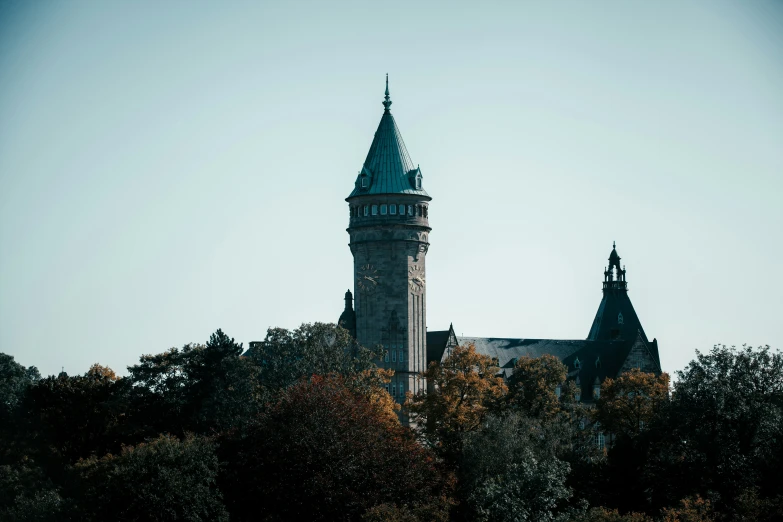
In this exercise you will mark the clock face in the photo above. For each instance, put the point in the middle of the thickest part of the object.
(416, 279)
(367, 278)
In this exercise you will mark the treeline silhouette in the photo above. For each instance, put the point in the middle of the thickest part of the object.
(301, 428)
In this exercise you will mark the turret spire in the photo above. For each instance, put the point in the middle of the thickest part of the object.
(387, 101)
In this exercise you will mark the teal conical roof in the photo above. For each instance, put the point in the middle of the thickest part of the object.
(388, 168)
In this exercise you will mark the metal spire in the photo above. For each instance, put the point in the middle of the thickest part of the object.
(387, 101)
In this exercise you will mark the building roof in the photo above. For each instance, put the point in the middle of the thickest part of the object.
(589, 361)
(388, 167)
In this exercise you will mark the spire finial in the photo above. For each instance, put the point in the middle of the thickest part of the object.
(387, 101)
(613, 245)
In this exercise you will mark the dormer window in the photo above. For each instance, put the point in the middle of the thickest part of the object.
(418, 182)
(620, 318)
(577, 363)
(365, 182)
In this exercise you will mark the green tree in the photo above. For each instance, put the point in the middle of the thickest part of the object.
(200, 388)
(510, 471)
(722, 436)
(14, 381)
(464, 388)
(324, 451)
(286, 356)
(162, 480)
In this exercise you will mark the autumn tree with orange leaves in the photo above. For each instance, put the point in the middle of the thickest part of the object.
(463, 389)
(629, 403)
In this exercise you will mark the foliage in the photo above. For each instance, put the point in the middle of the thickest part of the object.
(602, 514)
(285, 356)
(201, 388)
(511, 472)
(722, 436)
(629, 403)
(324, 451)
(66, 418)
(463, 389)
(14, 381)
(531, 386)
(26, 494)
(165, 479)
(690, 510)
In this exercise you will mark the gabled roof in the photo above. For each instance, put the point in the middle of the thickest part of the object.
(388, 167)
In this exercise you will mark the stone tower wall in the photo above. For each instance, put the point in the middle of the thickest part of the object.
(391, 249)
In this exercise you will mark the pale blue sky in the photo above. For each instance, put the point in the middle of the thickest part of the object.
(170, 168)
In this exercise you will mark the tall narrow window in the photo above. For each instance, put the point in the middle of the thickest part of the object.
(386, 356)
(366, 210)
(393, 209)
(402, 356)
(394, 355)
(410, 210)
(394, 390)
(365, 182)
(402, 210)
(402, 390)
(383, 210)
(375, 210)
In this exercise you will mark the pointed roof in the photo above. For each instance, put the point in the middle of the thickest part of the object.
(388, 168)
(616, 317)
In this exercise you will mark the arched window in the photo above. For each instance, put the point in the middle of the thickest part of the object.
(620, 318)
(577, 363)
(402, 356)
(402, 390)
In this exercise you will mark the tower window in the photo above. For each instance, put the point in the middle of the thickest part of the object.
(402, 356)
(425, 211)
(394, 355)
(375, 210)
(386, 356)
(394, 390)
(383, 210)
(418, 183)
(366, 210)
(392, 209)
(402, 390)
(402, 210)
(410, 210)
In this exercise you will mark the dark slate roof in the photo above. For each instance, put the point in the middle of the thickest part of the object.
(388, 164)
(606, 326)
(436, 345)
(507, 351)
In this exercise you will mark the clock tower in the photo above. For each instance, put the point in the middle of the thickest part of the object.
(389, 237)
